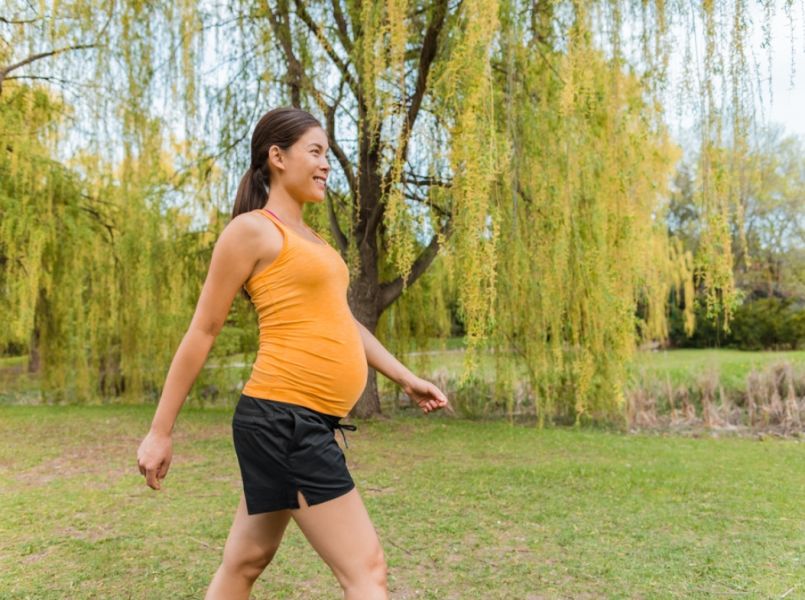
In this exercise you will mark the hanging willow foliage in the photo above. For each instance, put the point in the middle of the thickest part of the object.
(100, 265)
(522, 137)
(584, 238)
(477, 158)
(98, 278)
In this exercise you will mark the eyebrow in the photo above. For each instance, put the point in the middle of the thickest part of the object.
(315, 144)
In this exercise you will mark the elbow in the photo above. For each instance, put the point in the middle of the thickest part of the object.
(208, 330)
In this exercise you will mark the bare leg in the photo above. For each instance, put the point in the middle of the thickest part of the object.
(343, 535)
(252, 542)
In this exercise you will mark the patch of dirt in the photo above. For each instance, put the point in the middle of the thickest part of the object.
(107, 461)
(37, 556)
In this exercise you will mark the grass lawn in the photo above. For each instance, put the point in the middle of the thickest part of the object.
(464, 510)
(682, 366)
(685, 365)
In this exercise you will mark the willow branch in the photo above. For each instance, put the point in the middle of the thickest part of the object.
(391, 290)
(4, 71)
(426, 57)
(343, 32)
(328, 48)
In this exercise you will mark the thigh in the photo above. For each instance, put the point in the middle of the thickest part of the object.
(342, 533)
(253, 539)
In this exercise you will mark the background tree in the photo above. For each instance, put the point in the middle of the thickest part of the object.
(522, 143)
(97, 264)
(768, 261)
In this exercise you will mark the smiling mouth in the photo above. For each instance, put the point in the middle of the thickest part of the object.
(321, 181)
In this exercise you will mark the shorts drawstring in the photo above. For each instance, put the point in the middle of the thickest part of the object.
(342, 427)
(333, 423)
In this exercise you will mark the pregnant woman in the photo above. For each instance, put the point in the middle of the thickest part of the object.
(310, 370)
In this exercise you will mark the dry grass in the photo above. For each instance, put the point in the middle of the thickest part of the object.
(772, 402)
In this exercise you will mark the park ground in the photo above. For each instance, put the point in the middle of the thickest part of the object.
(465, 509)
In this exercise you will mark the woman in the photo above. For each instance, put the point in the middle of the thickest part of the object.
(310, 370)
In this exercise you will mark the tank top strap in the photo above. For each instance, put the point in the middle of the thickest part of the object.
(272, 217)
(267, 213)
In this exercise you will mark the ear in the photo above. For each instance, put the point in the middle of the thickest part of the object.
(275, 158)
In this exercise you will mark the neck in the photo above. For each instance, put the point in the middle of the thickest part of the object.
(286, 208)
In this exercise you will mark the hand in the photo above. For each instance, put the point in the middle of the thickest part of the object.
(154, 457)
(426, 395)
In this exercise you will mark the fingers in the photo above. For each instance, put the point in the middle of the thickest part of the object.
(154, 459)
(151, 479)
(163, 470)
(154, 475)
(437, 400)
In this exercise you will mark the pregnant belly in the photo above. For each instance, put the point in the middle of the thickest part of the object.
(326, 372)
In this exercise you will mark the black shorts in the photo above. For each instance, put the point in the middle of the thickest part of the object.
(283, 447)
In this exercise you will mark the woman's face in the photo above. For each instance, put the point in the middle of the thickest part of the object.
(306, 167)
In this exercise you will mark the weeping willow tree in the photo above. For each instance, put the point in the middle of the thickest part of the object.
(98, 267)
(584, 239)
(522, 143)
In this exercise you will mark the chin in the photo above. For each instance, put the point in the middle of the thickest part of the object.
(314, 197)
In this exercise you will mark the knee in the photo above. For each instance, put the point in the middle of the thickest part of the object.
(378, 568)
(369, 577)
(249, 564)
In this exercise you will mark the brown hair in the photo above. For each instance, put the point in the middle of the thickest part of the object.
(281, 127)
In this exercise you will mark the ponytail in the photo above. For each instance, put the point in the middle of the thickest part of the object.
(252, 193)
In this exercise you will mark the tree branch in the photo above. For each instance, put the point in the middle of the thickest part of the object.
(340, 155)
(340, 238)
(422, 200)
(426, 57)
(343, 32)
(19, 21)
(283, 33)
(391, 290)
(4, 71)
(415, 179)
(328, 48)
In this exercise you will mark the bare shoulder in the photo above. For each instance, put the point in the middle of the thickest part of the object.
(254, 238)
(244, 224)
(253, 223)
(250, 229)
(237, 250)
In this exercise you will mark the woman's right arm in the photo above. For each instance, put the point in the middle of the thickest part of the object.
(235, 254)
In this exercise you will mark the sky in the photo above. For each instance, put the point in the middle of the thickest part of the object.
(788, 101)
(785, 105)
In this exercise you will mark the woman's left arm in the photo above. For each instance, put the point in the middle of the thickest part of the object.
(426, 395)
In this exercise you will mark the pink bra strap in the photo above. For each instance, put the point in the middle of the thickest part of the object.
(281, 221)
(313, 232)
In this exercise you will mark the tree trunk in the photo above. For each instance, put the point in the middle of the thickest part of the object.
(368, 404)
(34, 357)
(364, 293)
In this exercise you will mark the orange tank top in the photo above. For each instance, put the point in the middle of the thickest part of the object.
(311, 352)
